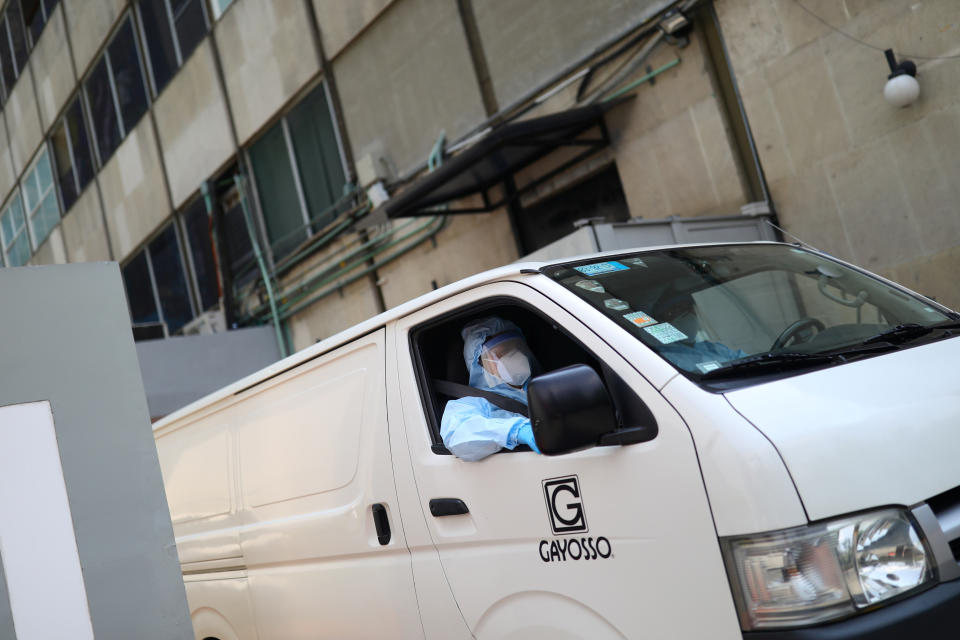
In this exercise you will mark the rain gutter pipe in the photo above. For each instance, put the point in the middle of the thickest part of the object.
(636, 60)
(248, 222)
(325, 277)
(289, 311)
(639, 81)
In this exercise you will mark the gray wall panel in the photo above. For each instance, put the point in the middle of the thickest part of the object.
(66, 338)
(179, 370)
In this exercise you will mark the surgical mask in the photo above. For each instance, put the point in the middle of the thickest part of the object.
(505, 359)
(514, 368)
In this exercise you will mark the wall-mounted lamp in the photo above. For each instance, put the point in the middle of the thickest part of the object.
(902, 88)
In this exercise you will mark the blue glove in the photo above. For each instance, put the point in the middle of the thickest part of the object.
(525, 436)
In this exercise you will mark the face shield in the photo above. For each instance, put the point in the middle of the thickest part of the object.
(505, 357)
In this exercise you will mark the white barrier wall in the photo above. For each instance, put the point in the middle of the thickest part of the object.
(36, 533)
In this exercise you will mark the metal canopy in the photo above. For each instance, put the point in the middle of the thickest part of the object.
(498, 156)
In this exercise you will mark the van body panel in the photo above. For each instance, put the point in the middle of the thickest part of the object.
(645, 510)
(736, 459)
(196, 461)
(309, 536)
(220, 606)
(439, 613)
(534, 615)
(873, 432)
(303, 517)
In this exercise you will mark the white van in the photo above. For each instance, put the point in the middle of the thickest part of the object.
(740, 440)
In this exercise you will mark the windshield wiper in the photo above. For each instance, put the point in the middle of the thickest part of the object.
(906, 332)
(771, 363)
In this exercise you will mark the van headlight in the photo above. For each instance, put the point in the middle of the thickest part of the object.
(825, 571)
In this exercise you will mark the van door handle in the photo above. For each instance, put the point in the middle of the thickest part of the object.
(381, 522)
(448, 507)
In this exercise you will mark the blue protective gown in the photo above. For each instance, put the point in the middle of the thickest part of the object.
(473, 428)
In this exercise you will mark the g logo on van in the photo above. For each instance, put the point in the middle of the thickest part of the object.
(565, 505)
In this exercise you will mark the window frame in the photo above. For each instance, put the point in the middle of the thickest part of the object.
(63, 120)
(628, 403)
(29, 214)
(99, 161)
(5, 25)
(174, 36)
(42, 5)
(187, 249)
(24, 229)
(217, 11)
(194, 298)
(294, 165)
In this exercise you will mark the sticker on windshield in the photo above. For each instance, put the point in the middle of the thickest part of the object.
(637, 262)
(601, 267)
(591, 285)
(616, 304)
(665, 333)
(639, 318)
(707, 367)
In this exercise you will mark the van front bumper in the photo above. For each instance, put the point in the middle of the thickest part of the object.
(933, 614)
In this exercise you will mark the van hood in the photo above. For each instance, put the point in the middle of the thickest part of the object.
(879, 431)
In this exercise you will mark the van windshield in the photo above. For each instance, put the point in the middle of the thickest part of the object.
(722, 314)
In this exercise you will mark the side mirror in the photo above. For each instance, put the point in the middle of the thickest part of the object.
(569, 409)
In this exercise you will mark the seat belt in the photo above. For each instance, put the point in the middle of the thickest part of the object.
(457, 390)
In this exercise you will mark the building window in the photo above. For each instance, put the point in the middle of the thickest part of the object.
(13, 44)
(115, 92)
(172, 30)
(298, 173)
(39, 198)
(156, 283)
(238, 261)
(36, 14)
(199, 234)
(219, 6)
(72, 154)
(140, 291)
(13, 233)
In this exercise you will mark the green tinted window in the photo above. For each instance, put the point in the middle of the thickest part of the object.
(318, 158)
(278, 192)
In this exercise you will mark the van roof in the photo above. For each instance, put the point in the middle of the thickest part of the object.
(371, 324)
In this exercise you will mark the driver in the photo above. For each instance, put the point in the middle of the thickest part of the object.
(498, 360)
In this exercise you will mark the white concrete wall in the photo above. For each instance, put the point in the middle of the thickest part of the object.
(84, 233)
(848, 173)
(52, 68)
(52, 251)
(268, 55)
(7, 175)
(23, 118)
(193, 125)
(135, 197)
(340, 22)
(90, 22)
(406, 78)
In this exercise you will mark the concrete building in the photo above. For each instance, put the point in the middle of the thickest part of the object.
(252, 160)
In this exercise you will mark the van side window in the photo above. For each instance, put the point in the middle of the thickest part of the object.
(438, 354)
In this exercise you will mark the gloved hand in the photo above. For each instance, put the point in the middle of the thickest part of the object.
(525, 436)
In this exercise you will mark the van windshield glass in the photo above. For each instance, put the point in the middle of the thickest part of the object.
(742, 311)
